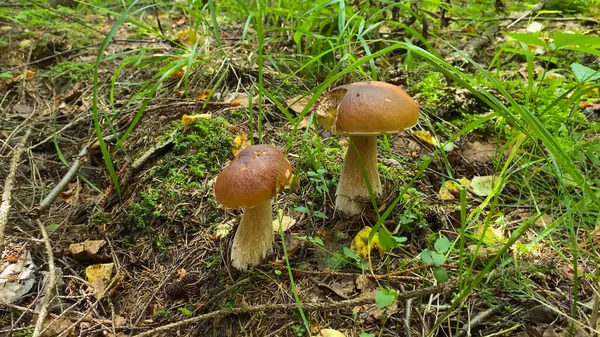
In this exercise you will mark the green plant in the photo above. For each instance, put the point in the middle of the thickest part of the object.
(437, 257)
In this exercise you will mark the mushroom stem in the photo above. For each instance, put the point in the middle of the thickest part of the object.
(352, 186)
(254, 237)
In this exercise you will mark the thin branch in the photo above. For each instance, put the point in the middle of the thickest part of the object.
(51, 282)
(9, 184)
(476, 321)
(444, 288)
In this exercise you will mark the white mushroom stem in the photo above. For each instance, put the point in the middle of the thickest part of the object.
(254, 237)
(352, 186)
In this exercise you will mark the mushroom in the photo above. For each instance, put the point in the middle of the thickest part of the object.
(363, 110)
(250, 182)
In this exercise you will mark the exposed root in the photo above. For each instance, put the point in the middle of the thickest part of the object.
(253, 239)
(352, 186)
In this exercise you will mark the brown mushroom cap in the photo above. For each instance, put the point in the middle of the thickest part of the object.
(367, 108)
(255, 176)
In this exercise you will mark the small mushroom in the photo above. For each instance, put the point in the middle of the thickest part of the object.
(250, 182)
(363, 110)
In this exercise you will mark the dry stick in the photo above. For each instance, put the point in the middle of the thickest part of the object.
(9, 184)
(444, 288)
(51, 282)
(476, 321)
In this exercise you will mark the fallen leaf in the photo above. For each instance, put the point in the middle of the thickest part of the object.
(223, 229)
(71, 195)
(188, 120)
(480, 152)
(88, 251)
(469, 30)
(242, 100)
(303, 123)
(286, 223)
(298, 103)
(535, 27)
(491, 236)
(98, 275)
(330, 333)
(179, 21)
(25, 44)
(203, 95)
(426, 137)
(187, 37)
(448, 190)
(466, 183)
(360, 243)
(240, 142)
(483, 186)
(177, 74)
(17, 278)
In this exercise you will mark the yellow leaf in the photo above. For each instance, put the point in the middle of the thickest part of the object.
(492, 236)
(448, 190)
(359, 244)
(98, 276)
(240, 142)
(465, 182)
(177, 74)
(203, 95)
(187, 120)
(330, 333)
(286, 222)
(426, 137)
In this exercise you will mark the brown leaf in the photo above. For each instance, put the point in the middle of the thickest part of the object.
(89, 251)
(298, 103)
(480, 152)
(99, 277)
(71, 196)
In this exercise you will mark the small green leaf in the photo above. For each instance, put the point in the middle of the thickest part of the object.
(6, 75)
(277, 272)
(386, 240)
(442, 245)
(482, 186)
(440, 274)
(185, 311)
(426, 256)
(438, 259)
(319, 214)
(400, 240)
(583, 73)
(364, 334)
(564, 39)
(317, 241)
(349, 253)
(527, 38)
(385, 297)
(302, 209)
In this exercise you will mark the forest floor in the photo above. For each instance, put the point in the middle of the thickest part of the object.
(488, 225)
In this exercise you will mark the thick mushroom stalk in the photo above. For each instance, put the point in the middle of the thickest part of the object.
(363, 110)
(250, 182)
(352, 187)
(253, 239)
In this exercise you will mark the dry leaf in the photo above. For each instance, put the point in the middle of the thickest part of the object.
(179, 21)
(360, 243)
(223, 229)
(17, 278)
(71, 196)
(203, 95)
(188, 120)
(483, 186)
(303, 123)
(240, 142)
(98, 275)
(480, 152)
(448, 190)
(186, 37)
(298, 103)
(178, 74)
(426, 137)
(88, 251)
(466, 183)
(330, 333)
(286, 223)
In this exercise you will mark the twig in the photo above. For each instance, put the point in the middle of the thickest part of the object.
(535, 18)
(62, 184)
(293, 306)
(9, 184)
(476, 321)
(51, 282)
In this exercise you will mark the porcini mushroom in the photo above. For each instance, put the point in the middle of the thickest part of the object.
(363, 110)
(250, 182)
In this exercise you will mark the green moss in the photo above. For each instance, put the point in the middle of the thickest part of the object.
(179, 180)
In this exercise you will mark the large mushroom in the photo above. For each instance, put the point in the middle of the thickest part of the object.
(250, 182)
(363, 110)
